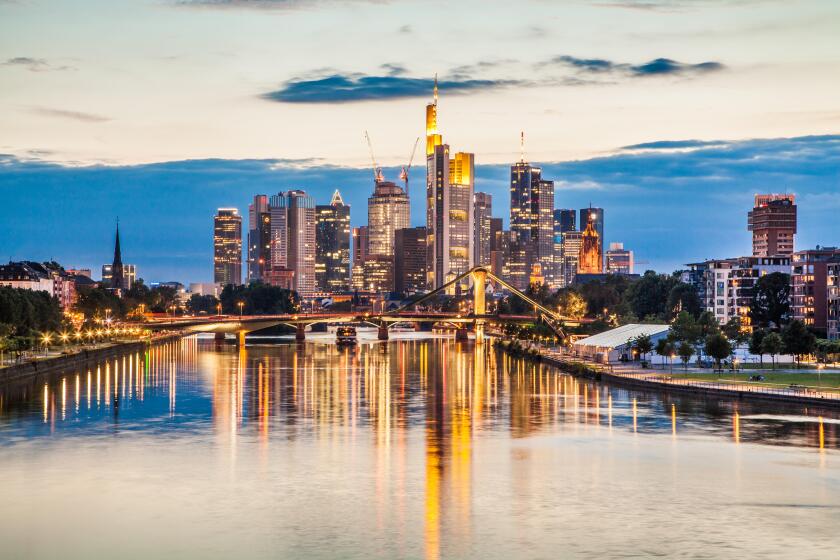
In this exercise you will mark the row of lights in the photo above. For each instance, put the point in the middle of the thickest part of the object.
(64, 337)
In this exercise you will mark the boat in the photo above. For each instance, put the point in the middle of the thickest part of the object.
(345, 334)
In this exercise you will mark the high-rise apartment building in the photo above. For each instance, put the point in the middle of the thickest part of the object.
(591, 259)
(809, 286)
(259, 237)
(449, 206)
(772, 222)
(619, 260)
(227, 247)
(482, 214)
(410, 260)
(833, 300)
(332, 245)
(531, 225)
(570, 255)
(597, 217)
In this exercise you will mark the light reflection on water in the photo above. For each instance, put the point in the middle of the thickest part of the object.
(415, 448)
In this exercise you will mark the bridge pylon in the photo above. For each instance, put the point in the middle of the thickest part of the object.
(479, 278)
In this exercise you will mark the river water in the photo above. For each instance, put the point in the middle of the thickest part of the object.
(416, 448)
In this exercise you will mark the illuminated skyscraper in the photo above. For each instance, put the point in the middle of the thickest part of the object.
(570, 255)
(591, 260)
(410, 260)
(619, 260)
(597, 217)
(449, 205)
(360, 247)
(531, 225)
(388, 210)
(291, 232)
(482, 213)
(772, 222)
(259, 241)
(332, 243)
(227, 247)
(564, 220)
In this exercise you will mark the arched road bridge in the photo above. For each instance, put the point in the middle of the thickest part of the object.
(479, 318)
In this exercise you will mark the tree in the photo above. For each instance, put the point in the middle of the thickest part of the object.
(664, 348)
(685, 350)
(571, 304)
(755, 344)
(683, 297)
(259, 299)
(798, 340)
(718, 347)
(685, 328)
(648, 296)
(736, 334)
(770, 305)
(206, 303)
(773, 345)
(643, 344)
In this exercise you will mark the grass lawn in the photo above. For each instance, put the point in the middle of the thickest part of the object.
(826, 381)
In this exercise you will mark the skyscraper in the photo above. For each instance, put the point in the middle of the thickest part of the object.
(410, 260)
(117, 280)
(772, 222)
(332, 245)
(301, 251)
(482, 214)
(564, 220)
(531, 225)
(597, 217)
(227, 247)
(571, 255)
(287, 242)
(591, 260)
(388, 210)
(500, 250)
(259, 243)
(449, 205)
(360, 247)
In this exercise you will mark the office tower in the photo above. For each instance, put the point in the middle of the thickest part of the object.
(564, 220)
(332, 245)
(360, 247)
(810, 286)
(772, 222)
(227, 247)
(591, 260)
(259, 247)
(301, 251)
(619, 260)
(572, 241)
(597, 217)
(482, 214)
(449, 206)
(378, 273)
(531, 225)
(117, 266)
(500, 253)
(286, 249)
(410, 260)
(388, 210)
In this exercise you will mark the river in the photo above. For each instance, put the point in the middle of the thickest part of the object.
(415, 448)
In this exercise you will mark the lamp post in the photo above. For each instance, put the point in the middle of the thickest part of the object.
(46, 340)
(219, 308)
(241, 304)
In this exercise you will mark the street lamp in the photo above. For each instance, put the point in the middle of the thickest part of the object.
(241, 304)
(46, 340)
(219, 308)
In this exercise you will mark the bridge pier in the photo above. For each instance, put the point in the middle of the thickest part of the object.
(479, 277)
(240, 339)
(219, 337)
(300, 334)
(383, 332)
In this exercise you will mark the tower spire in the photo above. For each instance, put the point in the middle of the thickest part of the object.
(522, 146)
(436, 90)
(117, 265)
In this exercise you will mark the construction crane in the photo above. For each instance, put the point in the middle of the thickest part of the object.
(377, 171)
(406, 169)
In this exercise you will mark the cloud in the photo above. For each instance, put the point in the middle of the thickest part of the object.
(674, 5)
(655, 67)
(32, 64)
(405, 29)
(393, 69)
(73, 115)
(346, 88)
(674, 145)
(265, 4)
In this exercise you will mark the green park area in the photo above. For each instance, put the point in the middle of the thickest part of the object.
(826, 381)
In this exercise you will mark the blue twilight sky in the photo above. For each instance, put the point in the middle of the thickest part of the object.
(670, 114)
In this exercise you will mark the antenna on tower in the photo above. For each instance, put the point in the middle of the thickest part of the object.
(522, 146)
(436, 89)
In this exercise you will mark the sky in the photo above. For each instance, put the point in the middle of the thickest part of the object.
(670, 114)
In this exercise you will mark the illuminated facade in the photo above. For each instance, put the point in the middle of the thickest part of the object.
(449, 206)
(360, 247)
(291, 233)
(597, 217)
(332, 242)
(809, 286)
(564, 220)
(591, 260)
(259, 239)
(378, 273)
(772, 222)
(570, 255)
(500, 250)
(410, 260)
(619, 260)
(227, 247)
(531, 225)
(482, 214)
(388, 210)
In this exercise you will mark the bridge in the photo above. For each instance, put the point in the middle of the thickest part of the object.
(478, 318)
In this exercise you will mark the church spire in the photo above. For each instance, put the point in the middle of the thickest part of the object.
(117, 265)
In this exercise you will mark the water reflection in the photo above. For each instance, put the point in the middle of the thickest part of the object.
(426, 409)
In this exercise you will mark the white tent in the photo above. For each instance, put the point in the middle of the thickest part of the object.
(610, 345)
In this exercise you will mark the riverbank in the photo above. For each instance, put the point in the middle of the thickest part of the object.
(794, 394)
(79, 359)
